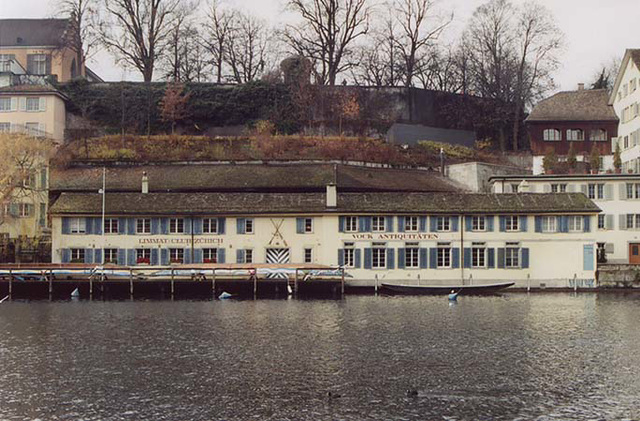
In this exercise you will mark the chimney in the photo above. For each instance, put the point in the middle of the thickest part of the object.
(581, 86)
(332, 195)
(145, 183)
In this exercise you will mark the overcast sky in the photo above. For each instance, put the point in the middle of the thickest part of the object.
(596, 30)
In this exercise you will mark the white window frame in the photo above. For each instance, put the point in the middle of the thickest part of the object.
(602, 221)
(110, 255)
(248, 226)
(575, 223)
(5, 127)
(411, 224)
(111, 226)
(379, 256)
(575, 135)
(307, 255)
(443, 224)
(512, 256)
(551, 135)
(549, 224)
(512, 223)
(479, 223)
(209, 225)
(30, 107)
(143, 226)
(350, 224)
(210, 254)
(40, 62)
(598, 135)
(77, 225)
(5, 108)
(143, 254)
(378, 224)
(443, 256)
(558, 188)
(412, 256)
(175, 225)
(176, 255)
(308, 225)
(479, 255)
(349, 255)
(77, 255)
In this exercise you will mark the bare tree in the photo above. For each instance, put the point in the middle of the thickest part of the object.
(185, 59)
(420, 26)
(82, 35)
(217, 31)
(327, 33)
(443, 71)
(138, 30)
(379, 61)
(246, 54)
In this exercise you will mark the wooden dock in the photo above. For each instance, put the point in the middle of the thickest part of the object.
(198, 280)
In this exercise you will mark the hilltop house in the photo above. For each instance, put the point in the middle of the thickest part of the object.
(581, 118)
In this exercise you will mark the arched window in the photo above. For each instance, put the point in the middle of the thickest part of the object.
(551, 135)
(575, 134)
(74, 71)
(598, 135)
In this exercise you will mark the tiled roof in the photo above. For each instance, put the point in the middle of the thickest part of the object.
(31, 89)
(248, 177)
(583, 105)
(32, 32)
(295, 203)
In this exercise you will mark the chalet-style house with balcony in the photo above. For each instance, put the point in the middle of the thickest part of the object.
(581, 118)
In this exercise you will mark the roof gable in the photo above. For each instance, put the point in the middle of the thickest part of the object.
(32, 32)
(582, 105)
(629, 54)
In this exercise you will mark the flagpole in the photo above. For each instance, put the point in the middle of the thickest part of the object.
(104, 190)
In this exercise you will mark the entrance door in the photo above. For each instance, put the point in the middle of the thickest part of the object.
(278, 256)
(634, 253)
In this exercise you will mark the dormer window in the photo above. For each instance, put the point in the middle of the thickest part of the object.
(550, 135)
(575, 134)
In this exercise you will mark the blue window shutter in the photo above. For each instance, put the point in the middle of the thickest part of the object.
(155, 257)
(187, 226)
(164, 256)
(490, 220)
(88, 223)
(389, 224)
(155, 226)
(122, 225)
(523, 224)
(239, 256)
(433, 257)
(66, 229)
(391, 258)
(122, 257)
(454, 223)
(455, 258)
(433, 223)
(97, 226)
(423, 258)
(221, 225)
(164, 229)
(467, 257)
(131, 257)
(341, 224)
(88, 255)
(300, 225)
(401, 258)
(586, 223)
(97, 258)
(560, 224)
(340, 257)
(565, 224)
(422, 221)
(66, 255)
(503, 223)
(364, 223)
(468, 221)
(240, 225)
(197, 255)
(501, 258)
(367, 258)
(197, 226)
(131, 226)
(538, 224)
(401, 224)
(221, 255)
(358, 262)
(525, 258)
(492, 258)
(187, 255)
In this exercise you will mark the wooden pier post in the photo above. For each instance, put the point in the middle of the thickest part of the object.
(131, 283)
(10, 284)
(254, 274)
(342, 281)
(172, 284)
(213, 283)
(50, 279)
(295, 282)
(90, 287)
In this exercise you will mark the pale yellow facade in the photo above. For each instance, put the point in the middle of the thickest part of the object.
(41, 114)
(63, 60)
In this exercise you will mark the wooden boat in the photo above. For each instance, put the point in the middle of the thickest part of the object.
(444, 289)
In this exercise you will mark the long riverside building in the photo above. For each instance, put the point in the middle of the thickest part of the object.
(433, 237)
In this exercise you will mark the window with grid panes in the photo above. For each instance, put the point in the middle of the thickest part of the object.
(351, 223)
(443, 223)
(411, 256)
(349, 255)
(176, 226)
(379, 256)
(143, 226)
(210, 226)
(111, 255)
(377, 224)
(411, 224)
(176, 255)
(444, 255)
(143, 256)
(478, 255)
(512, 255)
(478, 223)
(111, 226)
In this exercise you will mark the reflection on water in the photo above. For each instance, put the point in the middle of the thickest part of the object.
(547, 356)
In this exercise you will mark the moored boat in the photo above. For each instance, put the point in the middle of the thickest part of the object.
(446, 289)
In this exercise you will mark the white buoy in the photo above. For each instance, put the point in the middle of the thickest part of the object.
(225, 295)
(289, 290)
(75, 293)
(4, 299)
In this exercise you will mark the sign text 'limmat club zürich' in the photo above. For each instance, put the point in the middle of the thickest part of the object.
(214, 240)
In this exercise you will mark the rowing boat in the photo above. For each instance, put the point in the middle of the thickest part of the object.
(446, 289)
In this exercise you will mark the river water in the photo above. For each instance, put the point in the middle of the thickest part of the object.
(516, 356)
